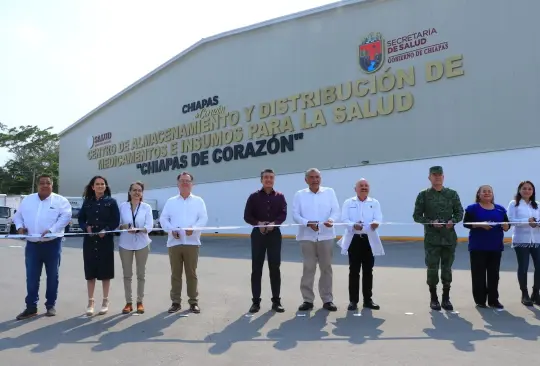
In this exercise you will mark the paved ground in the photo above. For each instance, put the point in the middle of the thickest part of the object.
(223, 335)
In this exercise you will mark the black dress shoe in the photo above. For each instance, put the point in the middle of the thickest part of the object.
(276, 306)
(496, 305)
(26, 314)
(483, 306)
(330, 306)
(174, 307)
(371, 305)
(255, 308)
(305, 306)
(535, 296)
(194, 308)
(352, 306)
(525, 299)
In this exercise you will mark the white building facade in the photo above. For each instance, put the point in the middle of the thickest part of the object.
(375, 89)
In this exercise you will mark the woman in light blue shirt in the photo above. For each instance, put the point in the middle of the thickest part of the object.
(136, 217)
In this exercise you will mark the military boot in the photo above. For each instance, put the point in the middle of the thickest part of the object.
(446, 304)
(434, 304)
(525, 299)
(535, 296)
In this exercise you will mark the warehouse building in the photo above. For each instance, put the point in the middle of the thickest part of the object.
(374, 89)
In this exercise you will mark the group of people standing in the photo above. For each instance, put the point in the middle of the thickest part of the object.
(46, 212)
(437, 208)
(315, 210)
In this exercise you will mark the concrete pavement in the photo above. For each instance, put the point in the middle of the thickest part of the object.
(404, 332)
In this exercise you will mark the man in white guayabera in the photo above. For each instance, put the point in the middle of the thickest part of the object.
(180, 215)
(316, 208)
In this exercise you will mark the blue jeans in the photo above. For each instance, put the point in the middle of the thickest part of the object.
(37, 255)
(523, 254)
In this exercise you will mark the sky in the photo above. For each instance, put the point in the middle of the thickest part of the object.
(62, 58)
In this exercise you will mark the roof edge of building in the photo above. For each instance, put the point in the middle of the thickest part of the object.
(266, 23)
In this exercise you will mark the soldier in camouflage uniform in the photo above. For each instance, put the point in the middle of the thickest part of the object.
(439, 209)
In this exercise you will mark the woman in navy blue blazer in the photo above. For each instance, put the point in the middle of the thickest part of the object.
(486, 244)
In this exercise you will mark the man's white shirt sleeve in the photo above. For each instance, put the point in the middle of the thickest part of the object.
(165, 217)
(297, 213)
(64, 215)
(202, 218)
(335, 213)
(377, 212)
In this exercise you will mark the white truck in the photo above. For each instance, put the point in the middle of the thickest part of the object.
(6, 218)
(8, 207)
(76, 205)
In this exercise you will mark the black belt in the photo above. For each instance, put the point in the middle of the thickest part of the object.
(44, 241)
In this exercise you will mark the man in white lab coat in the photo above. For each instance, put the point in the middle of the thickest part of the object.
(42, 213)
(361, 242)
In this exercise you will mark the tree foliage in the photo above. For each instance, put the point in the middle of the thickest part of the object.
(34, 150)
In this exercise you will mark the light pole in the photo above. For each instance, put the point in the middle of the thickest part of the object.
(44, 164)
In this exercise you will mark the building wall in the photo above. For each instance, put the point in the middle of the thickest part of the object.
(395, 185)
(487, 84)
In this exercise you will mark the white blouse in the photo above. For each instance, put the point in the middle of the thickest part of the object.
(523, 235)
(143, 219)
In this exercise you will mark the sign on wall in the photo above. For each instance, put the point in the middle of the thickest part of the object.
(99, 140)
(217, 135)
(200, 104)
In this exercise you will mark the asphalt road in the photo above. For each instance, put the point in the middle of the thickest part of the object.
(404, 332)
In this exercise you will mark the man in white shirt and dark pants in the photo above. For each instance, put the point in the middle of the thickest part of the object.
(40, 214)
(186, 211)
(316, 208)
(363, 214)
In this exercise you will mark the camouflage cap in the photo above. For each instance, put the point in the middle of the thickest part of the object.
(436, 170)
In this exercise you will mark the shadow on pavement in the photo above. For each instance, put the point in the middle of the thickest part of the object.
(447, 327)
(69, 331)
(505, 323)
